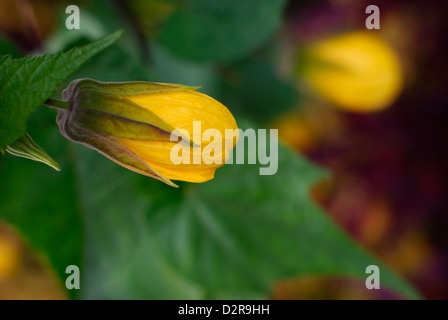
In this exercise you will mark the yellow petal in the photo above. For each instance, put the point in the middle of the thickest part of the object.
(157, 155)
(181, 108)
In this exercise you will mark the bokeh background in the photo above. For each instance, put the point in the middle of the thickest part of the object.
(368, 106)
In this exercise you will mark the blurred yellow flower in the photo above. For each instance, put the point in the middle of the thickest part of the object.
(133, 124)
(357, 71)
(9, 256)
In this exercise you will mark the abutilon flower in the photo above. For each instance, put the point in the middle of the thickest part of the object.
(357, 71)
(133, 124)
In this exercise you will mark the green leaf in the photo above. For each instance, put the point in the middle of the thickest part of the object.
(216, 30)
(113, 64)
(4, 59)
(257, 92)
(27, 82)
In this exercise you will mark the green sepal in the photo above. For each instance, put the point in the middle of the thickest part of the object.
(107, 146)
(97, 104)
(121, 109)
(129, 88)
(25, 147)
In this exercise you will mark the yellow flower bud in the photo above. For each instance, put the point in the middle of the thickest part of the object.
(357, 72)
(133, 124)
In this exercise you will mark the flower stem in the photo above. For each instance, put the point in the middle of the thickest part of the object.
(56, 104)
